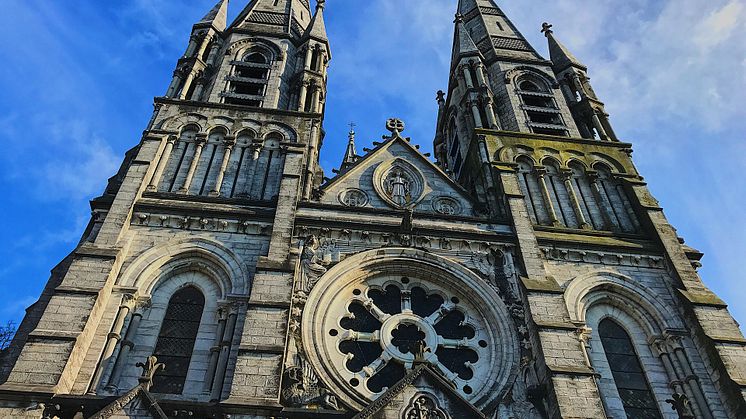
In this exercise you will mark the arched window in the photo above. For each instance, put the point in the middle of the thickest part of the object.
(178, 163)
(532, 191)
(618, 206)
(176, 339)
(629, 377)
(454, 148)
(559, 195)
(248, 85)
(542, 114)
(586, 199)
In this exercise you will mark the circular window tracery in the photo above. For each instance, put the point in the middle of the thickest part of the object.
(380, 321)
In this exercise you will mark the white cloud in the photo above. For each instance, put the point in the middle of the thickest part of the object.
(719, 25)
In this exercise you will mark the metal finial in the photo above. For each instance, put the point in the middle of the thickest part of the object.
(546, 29)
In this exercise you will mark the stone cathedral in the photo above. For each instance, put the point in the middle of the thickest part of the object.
(524, 271)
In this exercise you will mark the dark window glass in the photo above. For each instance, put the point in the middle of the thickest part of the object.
(538, 101)
(244, 102)
(176, 340)
(252, 73)
(529, 86)
(544, 118)
(633, 387)
(256, 57)
(248, 89)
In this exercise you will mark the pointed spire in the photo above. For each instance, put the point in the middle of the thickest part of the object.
(217, 16)
(465, 45)
(560, 56)
(317, 28)
(350, 154)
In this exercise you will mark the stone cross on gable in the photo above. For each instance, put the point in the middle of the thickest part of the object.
(396, 126)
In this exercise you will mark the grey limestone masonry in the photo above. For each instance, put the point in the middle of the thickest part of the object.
(223, 275)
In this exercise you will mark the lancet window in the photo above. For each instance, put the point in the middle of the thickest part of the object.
(176, 339)
(629, 377)
(454, 150)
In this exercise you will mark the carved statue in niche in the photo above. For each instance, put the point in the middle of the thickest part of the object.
(310, 266)
(398, 186)
(301, 385)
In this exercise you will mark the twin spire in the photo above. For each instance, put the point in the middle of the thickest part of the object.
(560, 56)
(216, 17)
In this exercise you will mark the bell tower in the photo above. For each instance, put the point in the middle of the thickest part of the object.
(230, 151)
(531, 140)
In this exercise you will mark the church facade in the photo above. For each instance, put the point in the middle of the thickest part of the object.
(526, 273)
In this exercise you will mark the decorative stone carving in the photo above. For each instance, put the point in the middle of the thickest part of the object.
(399, 183)
(301, 385)
(354, 198)
(447, 206)
(400, 312)
(424, 407)
(149, 368)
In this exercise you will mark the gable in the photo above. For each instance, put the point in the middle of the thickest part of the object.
(397, 176)
(422, 393)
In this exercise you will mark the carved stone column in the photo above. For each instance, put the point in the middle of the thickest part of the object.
(199, 144)
(193, 41)
(127, 345)
(605, 209)
(153, 186)
(303, 95)
(567, 179)
(690, 378)
(474, 105)
(228, 144)
(551, 211)
(214, 52)
(175, 82)
(467, 76)
(315, 99)
(225, 351)
(215, 351)
(113, 338)
(490, 112)
(481, 78)
(187, 84)
(309, 55)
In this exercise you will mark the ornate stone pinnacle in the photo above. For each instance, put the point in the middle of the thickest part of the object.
(546, 29)
(396, 126)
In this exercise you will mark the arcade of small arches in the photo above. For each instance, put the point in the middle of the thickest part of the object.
(216, 163)
(575, 197)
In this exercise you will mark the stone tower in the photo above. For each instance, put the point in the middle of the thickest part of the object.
(528, 273)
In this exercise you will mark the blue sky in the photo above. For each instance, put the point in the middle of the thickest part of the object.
(79, 77)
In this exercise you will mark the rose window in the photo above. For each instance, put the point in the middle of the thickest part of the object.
(365, 327)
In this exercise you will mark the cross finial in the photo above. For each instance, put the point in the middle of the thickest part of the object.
(546, 29)
(396, 126)
(352, 126)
